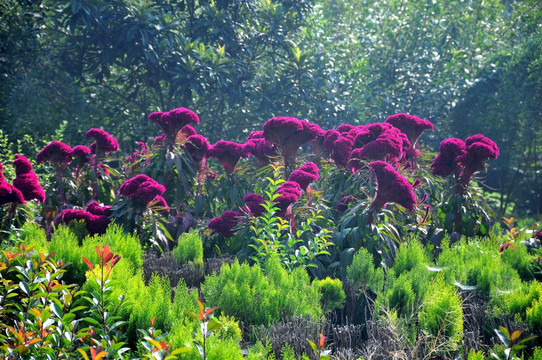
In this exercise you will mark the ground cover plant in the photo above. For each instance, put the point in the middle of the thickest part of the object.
(355, 225)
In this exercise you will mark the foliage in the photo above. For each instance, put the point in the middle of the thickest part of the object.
(441, 316)
(512, 343)
(280, 294)
(189, 249)
(332, 293)
(363, 274)
(477, 265)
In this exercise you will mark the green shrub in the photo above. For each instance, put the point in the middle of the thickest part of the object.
(230, 329)
(32, 234)
(476, 355)
(478, 263)
(400, 296)
(410, 256)
(441, 316)
(519, 259)
(363, 274)
(537, 354)
(65, 245)
(332, 293)
(189, 248)
(152, 301)
(533, 314)
(253, 297)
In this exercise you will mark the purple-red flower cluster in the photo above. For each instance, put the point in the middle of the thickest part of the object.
(227, 152)
(289, 133)
(464, 158)
(10, 194)
(305, 175)
(104, 144)
(173, 121)
(27, 181)
(142, 187)
(391, 187)
(57, 153)
(254, 203)
(290, 192)
(446, 161)
(411, 125)
(257, 145)
(95, 224)
(82, 153)
(197, 146)
(225, 223)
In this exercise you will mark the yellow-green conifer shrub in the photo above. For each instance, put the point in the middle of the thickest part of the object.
(189, 249)
(333, 295)
(441, 316)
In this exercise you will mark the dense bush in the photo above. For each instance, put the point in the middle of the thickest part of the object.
(262, 296)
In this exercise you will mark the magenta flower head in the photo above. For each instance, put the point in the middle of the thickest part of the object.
(479, 149)
(254, 203)
(95, 224)
(57, 153)
(187, 131)
(82, 153)
(344, 128)
(391, 187)
(159, 202)
(27, 181)
(445, 162)
(197, 146)
(174, 120)
(10, 194)
(105, 143)
(289, 192)
(342, 205)
(257, 145)
(159, 140)
(224, 224)
(227, 152)
(289, 134)
(95, 208)
(387, 145)
(305, 175)
(330, 137)
(130, 186)
(148, 190)
(411, 125)
(22, 165)
(342, 148)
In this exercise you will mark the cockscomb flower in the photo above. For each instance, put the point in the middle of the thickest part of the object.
(329, 139)
(27, 181)
(225, 223)
(82, 153)
(254, 203)
(342, 148)
(130, 186)
(479, 149)
(159, 140)
(187, 131)
(159, 203)
(289, 192)
(445, 162)
(305, 175)
(342, 205)
(386, 145)
(344, 128)
(10, 194)
(95, 208)
(105, 143)
(227, 152)
(148, 190)
(174, 120)
(95, 224)
(391, 187)
(57, 153)
(289, 134)
(197, 146)
(411, 125)
(259, 147)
